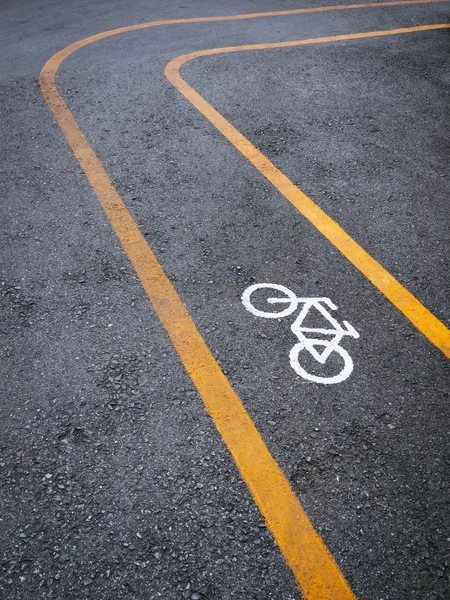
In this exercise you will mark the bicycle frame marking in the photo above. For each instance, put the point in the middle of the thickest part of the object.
(309, 344)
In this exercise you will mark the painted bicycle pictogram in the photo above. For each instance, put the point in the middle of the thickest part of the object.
(320, 348)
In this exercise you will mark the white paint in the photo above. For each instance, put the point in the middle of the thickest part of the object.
(309, 344)
(291, 298)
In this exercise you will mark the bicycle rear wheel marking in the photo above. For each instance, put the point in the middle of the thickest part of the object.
(341, 376)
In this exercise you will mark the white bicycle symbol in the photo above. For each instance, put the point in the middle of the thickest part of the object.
(310, 344)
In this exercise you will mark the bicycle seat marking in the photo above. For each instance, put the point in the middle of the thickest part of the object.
(283, 304)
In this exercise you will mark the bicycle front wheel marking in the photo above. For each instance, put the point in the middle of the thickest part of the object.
(290, 299)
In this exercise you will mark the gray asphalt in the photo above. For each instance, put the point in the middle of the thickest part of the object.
(114, 480)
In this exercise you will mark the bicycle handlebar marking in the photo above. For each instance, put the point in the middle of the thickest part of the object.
(311, 345)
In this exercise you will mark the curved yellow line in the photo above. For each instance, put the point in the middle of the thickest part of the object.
(53, 63)
(315, 570)
(397, 294)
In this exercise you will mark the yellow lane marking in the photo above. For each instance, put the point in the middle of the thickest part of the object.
(400, 297)
(57, 58)
(315, 570)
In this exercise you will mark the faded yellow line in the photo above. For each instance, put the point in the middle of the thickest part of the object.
(315, 570)
(396, 293)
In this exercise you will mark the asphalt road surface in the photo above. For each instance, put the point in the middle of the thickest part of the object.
(115, 481)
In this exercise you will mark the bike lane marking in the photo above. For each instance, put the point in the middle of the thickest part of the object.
(322, 306)
(316, 572)
(437, 333)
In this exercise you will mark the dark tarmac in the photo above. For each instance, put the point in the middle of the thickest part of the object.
(115, 482)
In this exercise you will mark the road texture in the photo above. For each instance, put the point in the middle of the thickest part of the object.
(115, 482)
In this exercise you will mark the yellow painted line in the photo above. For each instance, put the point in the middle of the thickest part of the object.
(315, 570)
(56, 59)
(396, 293)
